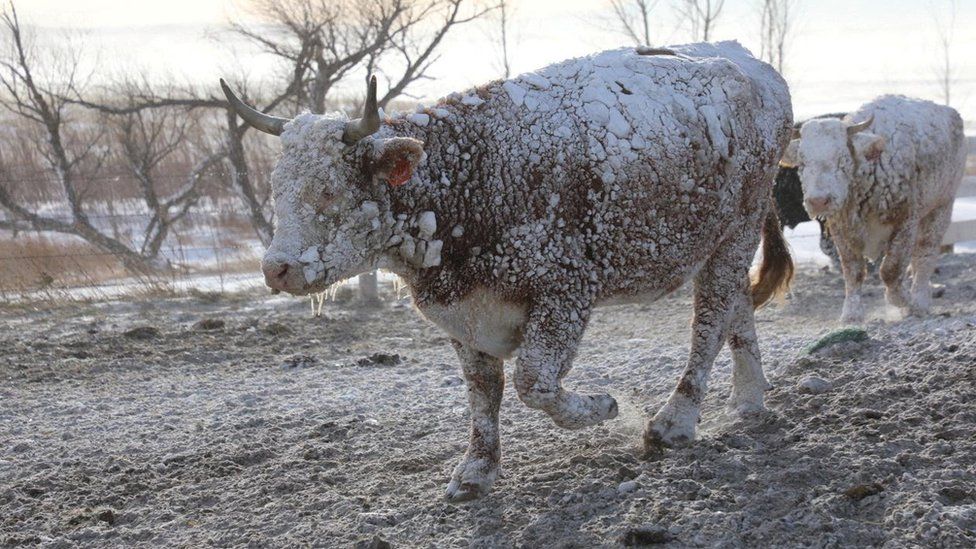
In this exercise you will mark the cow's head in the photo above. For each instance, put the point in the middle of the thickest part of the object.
(332, 208)
(828, 153)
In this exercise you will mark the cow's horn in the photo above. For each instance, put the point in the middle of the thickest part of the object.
(370, 122)
(264, 122)
(860, 126)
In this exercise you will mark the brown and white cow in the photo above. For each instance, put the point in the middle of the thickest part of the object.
(884, 179)
(512, 210)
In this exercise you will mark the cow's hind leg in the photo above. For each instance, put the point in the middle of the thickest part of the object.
(549, 343)
(485, 376)
(926, 255)
(748, 381)
(894, 266)
(718, 289)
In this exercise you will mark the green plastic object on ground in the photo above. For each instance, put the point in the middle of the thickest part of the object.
(839, 336)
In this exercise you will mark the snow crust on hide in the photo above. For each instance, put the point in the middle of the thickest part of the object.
(598, 179)
(925, 150)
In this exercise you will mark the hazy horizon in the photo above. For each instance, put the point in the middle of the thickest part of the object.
(841, 54)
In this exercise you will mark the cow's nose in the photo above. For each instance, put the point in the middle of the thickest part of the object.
(276, 274)
(818, 204)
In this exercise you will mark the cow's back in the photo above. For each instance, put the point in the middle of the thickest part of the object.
(924, 156)
(710, 108)
(630, 167)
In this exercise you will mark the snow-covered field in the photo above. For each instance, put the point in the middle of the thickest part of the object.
(260, 426)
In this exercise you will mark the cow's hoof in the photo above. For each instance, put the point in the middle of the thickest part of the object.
(745, 407)
(852, 317)
(668, 429)
(853, 311)
(472, 479)
(898, 298)
(747, 399)
(586, 411)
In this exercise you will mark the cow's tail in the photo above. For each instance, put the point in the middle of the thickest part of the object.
(773, 275)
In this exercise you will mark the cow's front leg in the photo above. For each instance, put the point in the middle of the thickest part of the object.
(851, 251)
(549, 343)
(485, 376)
(894, 267)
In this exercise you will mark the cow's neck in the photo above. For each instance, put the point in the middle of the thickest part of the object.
(428, 196)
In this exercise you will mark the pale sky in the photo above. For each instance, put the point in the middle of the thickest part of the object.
(844, 52)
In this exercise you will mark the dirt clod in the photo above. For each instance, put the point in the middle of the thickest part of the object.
(299, 361)
(813, 385)
(861, 491)
(646, 535)
(208, 324)
(276, 329)
(142, 333)
(375, 543)
(106, 515)
(380, 359)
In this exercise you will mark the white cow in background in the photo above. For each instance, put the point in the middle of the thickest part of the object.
(884, 184)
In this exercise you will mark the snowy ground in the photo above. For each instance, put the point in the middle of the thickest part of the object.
(262, 426)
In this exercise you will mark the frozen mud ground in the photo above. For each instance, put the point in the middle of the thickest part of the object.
(280, 430)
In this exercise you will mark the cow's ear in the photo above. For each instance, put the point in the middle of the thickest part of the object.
(868, 146)
(396, 159)
(791, 156)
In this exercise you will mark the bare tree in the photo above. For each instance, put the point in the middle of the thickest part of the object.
(634, 19)
(74, 154)
(147, 141)
(323, 42)
(944, 13)
(776, 24)
(700, 15)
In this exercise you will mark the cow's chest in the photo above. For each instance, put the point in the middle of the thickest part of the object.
(481, 320)
(876, 237)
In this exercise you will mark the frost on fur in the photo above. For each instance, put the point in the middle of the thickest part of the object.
(885, 189)
(609, 178)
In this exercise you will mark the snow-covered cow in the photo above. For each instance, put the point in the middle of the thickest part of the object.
(788, 193)
(884, 179)
(515, 208)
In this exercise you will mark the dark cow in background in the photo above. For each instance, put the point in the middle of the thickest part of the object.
(512, 210)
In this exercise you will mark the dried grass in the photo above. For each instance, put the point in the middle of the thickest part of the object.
(33, 262)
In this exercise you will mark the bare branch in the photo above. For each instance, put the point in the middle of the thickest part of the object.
(776, 26)
(700, 15)
(633, 18)
(944, 15)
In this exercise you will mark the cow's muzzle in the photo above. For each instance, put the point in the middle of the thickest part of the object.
(284, 276)
(819, 206)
